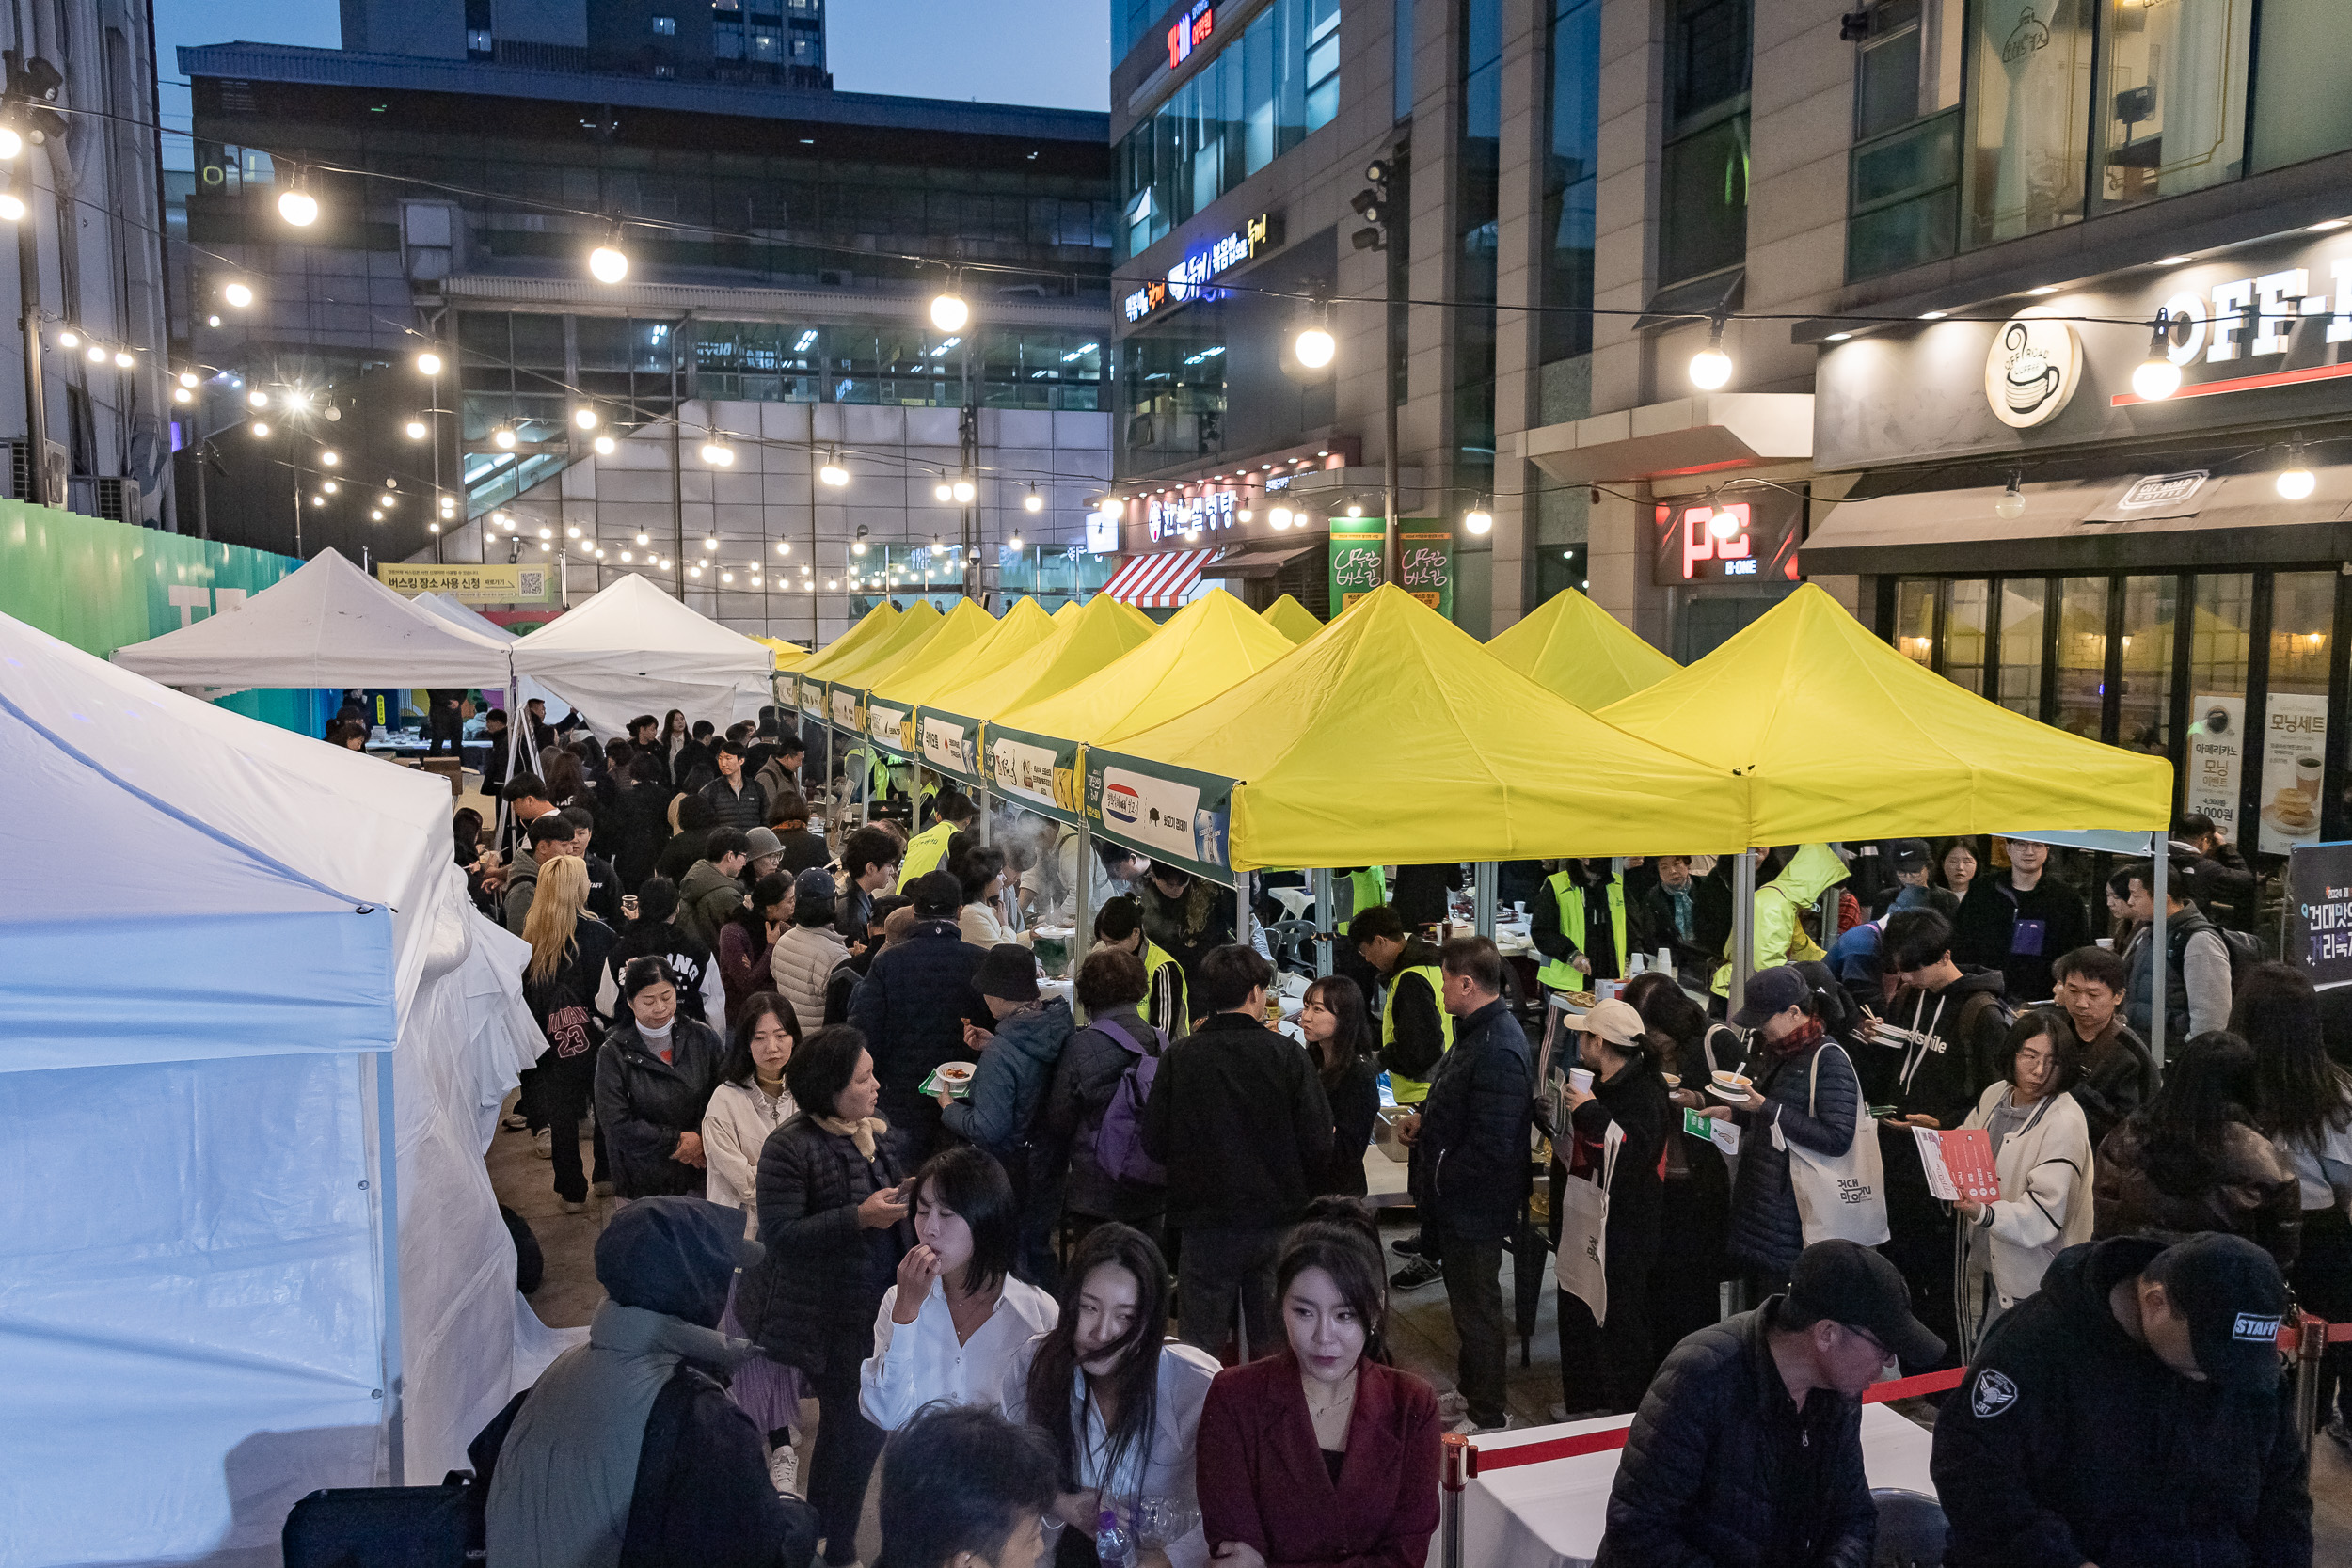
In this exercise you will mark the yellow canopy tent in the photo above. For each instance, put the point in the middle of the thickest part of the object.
(1292, 619)
(949, 662)
(1839, 735)
(844, 682)
(905, 629)
(1392, 736)
(948, 725)
(809, 679)
(1069, 607)
(1571, 646)
(789, 655)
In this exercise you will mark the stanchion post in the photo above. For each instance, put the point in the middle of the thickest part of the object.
(2310, 1344)
(1459, 1465)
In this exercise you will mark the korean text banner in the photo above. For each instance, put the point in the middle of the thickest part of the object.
(2319, 912)
(1174, 814)
(890, 725)
(1038, 771)
(950, 743)
(474, 584)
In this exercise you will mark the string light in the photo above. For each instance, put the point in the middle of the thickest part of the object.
(237, 294)
(1710, 367)
(965, 490)
(1478, 519)
(329, 457)
(122, 359)
(605, 445)
(11, 143)
(11, 207)
(1314, 347)
(2157, 377)
(1033, 502)
(2294, 481)
(503, 438)
(609, 262)
(330, 487)
(585, 416)
(416, 430)
(832, 473)
(260, 427)
(295, 203)
(949, 310)
(68, 337)
(188, 379)
(428, 363)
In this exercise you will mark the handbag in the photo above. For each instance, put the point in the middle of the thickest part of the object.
(1840, 1196)
(1581, 1265)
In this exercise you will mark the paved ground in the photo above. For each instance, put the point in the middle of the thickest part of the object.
(1422, 1335)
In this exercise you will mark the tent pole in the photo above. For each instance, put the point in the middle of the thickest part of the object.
(387, 1212)
(2159, 958)
(1483, 879)
(987, 810)
(1081, 915)
(1241, 907)
(1742, 927)
(1323, 923)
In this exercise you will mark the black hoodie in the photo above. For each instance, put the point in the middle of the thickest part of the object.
(2070, 1443)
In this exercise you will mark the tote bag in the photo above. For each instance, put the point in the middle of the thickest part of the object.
(1838, 1196)
(1582, 1265)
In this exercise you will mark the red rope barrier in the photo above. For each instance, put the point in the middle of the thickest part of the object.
(1484, 1460)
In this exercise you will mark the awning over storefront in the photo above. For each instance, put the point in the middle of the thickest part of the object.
(2176, 520)
(1158, 581)
(1262, 563)
(1704, 433)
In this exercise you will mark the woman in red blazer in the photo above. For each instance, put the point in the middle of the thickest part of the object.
(1324, 1456)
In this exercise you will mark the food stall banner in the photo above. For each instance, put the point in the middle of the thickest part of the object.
(1082, 643)
(1840, 737)
(874, 637)
(2319, 912)
(1037, 772)
(1174, 815)
(1392, 736)
(1292, 619)
(1577, 650)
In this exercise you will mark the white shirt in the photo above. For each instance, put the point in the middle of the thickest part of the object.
(2310, 1162)
(1167, 1470)
(983, 928)
(915, 1364)
(736, 1125)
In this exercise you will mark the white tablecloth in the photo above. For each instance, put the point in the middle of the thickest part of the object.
(1551, 1515)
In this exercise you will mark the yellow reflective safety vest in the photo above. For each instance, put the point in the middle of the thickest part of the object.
(1560, 975)
(1412, 1091)
(924, 851)
(1366, 886)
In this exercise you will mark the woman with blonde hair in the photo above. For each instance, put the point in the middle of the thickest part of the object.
(569, 949)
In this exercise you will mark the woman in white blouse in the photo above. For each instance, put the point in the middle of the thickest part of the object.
(951, 1326)
(2042, 1153)
(980, 867)
(1120, 1404)
(750, 1103)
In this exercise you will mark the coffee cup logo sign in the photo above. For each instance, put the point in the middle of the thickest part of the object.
(2031, 372)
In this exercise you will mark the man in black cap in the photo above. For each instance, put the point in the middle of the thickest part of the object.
(1017, 1061)
(1915, 878)
(1748, 1446)
(628, 1450)
(2130, 1412)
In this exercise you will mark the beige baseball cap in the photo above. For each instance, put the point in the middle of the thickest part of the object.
(1612, 1020)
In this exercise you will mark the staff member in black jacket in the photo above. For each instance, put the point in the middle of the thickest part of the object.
(1415, 1030)
(835, 1223)
(655, 1073)
(1472, 1136)
(1605, 1365)
(1748, 1446)
(2130, 1413)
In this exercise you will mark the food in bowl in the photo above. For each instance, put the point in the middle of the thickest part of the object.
(955, 1072)
(1732, 1081)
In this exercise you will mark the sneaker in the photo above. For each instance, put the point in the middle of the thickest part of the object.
(1406, 1247)
(603, 1188)
(570, 1207)
(1451, 1407)
(1415, 1275)
(515, 1124)
(542, 1142)
(783, 1471)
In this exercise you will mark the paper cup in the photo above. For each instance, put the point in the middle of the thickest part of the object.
(1581, 1079)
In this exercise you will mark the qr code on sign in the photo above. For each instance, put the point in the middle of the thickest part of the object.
(530, 585)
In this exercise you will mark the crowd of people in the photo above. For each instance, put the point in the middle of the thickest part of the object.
(1097, 1249)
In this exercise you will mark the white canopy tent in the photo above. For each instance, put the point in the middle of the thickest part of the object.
(457, 613)
(327, 623)
(633, 649)
(253, 1041)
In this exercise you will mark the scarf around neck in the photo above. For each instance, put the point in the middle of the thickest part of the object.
(862, 1132)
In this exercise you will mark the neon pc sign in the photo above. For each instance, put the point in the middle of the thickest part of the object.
(1191, 31)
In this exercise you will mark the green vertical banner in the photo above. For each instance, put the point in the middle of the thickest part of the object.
(1424, 553)
(1355, 560)
(102, 586)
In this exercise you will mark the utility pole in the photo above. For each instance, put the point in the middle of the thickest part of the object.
(968, 439)
(1372, 205)
(32, 83)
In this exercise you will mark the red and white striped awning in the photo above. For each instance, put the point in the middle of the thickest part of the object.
(1158, 581)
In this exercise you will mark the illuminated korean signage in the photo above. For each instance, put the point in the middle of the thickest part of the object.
(1191, 31)
(1751, 537)
(1208, 511)
(1190, 277)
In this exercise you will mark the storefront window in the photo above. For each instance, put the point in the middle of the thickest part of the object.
(1703, 176)
(1964, 636)
(2292, 740)
(2301, 110)
(2173, 94)
(2028, 117)
(2082, 655)
(2024, 603)
(2219, 639)
(2302, 609)
(2146, 699)
(1915, 618)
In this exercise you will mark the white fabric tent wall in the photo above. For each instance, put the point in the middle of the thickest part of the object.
(633, 649)
(457, 613)
(327, 623)
(221, 925)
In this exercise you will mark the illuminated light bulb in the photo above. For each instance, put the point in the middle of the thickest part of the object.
(585, 417)
(1355, 511)
(11, 143)
(1722, 525)
(1033, 502)
(2295, 482)
(260, 427)
(727, 576)
(69, 339)
(298, 207)
(503, 520)
(964, 491)
(416, 430)
(1314, 348)
(644, 538)
(388, 501)
(546, 548)
(830, 585)
(212, 321)
(122, 359)
(1014, 541)
(572, 533)
(1710, 367)
(628, 556)
(95, 355)
(318, 500)
(547, 534)
(858, 548)
(330, 487)
(711, 543)
(180, 394)
(188, 379)
(433, 526)
(11, 207)
(608, 264)
(329, 457)
(374, 515)
(945, 491)
(693, 571)
(237, 294)
(833, 472)
(949, 312)
(2157, 379)
(1280, 518)
(1479, 520)
(428, 363)
(605, 446)
(784, 546)
(2013, 502)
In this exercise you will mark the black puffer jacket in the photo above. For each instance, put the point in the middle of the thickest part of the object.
(643, 1103)
(1766, 1232)
(810, 1301)
(1722, 1469)
(1475, 1129)
(912, 1010)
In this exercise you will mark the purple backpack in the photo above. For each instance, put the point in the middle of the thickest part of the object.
(1119, 1140)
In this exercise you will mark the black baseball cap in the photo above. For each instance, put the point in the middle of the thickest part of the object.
(2232, 1295)
(1909, 854)
(1770, 991)
(1848, 1283)
(1009, 972)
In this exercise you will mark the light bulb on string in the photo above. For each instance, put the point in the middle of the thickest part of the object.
(605, 446)
(503, 438)
(428, 363)
(833, 472)
(944, 491)
(609, 262)
(965, 490)
(585, 416)
(1033, 502)
(949, 310)
(2013, 502)
(260, 427)
(716, 452)
(330, 486)
(123, 360)
(416, 430)
(68, 337)
(1478, 519)
(2294, 481)
(1314, 347)
(189, 380)
(11, 143)
(2157, 377)
(11, 207)
(644, 538)
(295, 203)
(1710, 367)
(237, 294)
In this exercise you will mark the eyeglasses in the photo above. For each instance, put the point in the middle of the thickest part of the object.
(1873, 1340)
